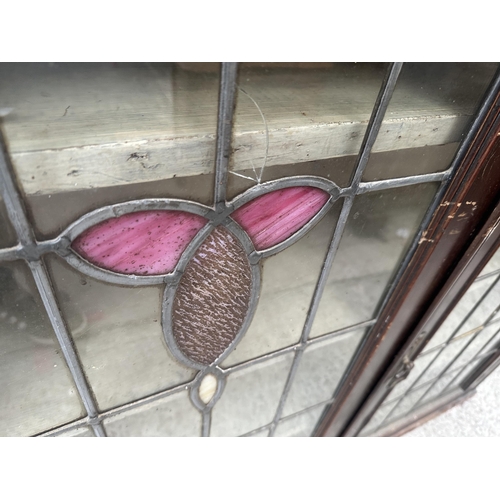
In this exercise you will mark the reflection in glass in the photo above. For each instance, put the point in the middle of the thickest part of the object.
(320, 370)
(412, 161)
(378, 233)
(300, 113)
(79, 128)
(172, 416)
(251, 397)
(429, 114)
(37, 390)
(118, 335)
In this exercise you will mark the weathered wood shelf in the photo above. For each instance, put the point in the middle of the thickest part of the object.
(80, 126)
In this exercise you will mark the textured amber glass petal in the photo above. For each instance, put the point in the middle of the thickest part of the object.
(274, 217)
(141, 243)
(212, 299)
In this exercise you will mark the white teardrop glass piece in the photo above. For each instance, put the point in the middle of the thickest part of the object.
(207, 388)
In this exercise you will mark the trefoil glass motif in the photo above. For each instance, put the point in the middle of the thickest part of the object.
(209, 262)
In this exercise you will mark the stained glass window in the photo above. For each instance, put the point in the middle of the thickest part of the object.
(212, 250)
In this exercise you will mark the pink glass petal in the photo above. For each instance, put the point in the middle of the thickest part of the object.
(142, 243)
(274, 217)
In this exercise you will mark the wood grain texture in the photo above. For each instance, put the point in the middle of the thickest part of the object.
(212, 298)
(78, 126)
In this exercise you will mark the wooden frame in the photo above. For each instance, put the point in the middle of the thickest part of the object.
(460, 238)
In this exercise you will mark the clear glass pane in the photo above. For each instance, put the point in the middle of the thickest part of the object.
(439, 388)
(464, 372)
(320, 370)
(378, 233)
(479, 341)
(172, 416)
(472, 311)
(406, 404)
(8, 236)
(315, 114)
(37, 389)
(413, 161)
(84, 431)
(77, 128)
(301, 425)
(493, 264)
(118, 335)
(251, 397)
(429, 113)
(288, 282)
(378, 418)
(440, 360)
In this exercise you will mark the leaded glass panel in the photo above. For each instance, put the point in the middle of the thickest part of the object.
(118, 335)
(320, 371)
(37, 391)
(301, 425)
(217, 259)
(172, 416)
(379, 230)
(251, 397)
(452, 90)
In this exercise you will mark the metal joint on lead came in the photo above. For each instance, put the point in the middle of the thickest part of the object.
(94, 420)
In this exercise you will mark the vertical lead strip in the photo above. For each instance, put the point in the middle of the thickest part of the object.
(206, 422)
(17, 216)
(42, 281)
(369, 139)
(227, 103)
(12, 199)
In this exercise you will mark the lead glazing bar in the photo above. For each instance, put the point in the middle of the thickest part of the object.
(12, 199)
(377, 116)
(227, 101)
(369, 187)
(19, 220)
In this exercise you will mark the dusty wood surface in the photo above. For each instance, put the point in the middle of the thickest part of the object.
(80, 126)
